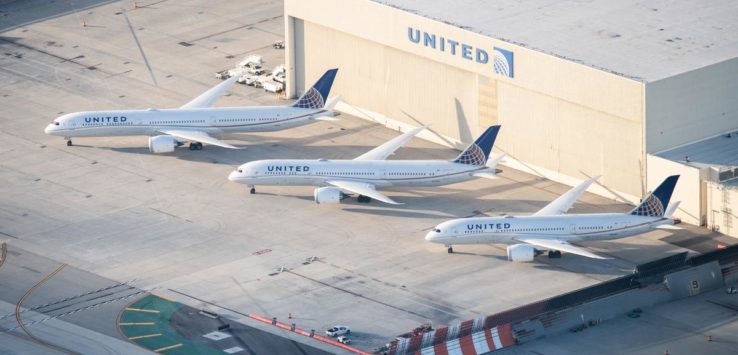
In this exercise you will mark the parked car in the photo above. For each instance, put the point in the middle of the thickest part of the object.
(278, 45)
(338, 330)
(343, 339)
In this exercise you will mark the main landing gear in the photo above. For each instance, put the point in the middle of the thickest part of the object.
(450, 249)
(195, 146)
(364, 199)
(554, 254)
(69, 142)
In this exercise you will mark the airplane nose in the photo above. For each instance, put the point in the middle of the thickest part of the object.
(431, 236)
(49, 128)
(233, 176)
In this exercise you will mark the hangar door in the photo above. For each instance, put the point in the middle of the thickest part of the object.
(401, 86)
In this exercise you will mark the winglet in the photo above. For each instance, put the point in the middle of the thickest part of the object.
(317, 95)
(209, 97)
(654, 205)
(564, 202)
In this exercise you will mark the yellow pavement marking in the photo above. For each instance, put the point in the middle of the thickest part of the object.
(145, 336)
(168, 347)
(142, 310)
(164, 297)
(143, 323)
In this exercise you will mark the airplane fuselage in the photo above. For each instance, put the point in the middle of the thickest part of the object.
(570, 228)
(380, 173)
(209, 120)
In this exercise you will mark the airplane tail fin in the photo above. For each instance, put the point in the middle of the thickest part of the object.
(317, 95)
(654, 205)
(478, 152)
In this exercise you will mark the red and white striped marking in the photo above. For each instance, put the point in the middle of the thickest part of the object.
(480, 342)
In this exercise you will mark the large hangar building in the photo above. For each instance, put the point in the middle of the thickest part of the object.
(581, 89)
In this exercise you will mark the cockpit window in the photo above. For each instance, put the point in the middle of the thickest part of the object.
(56, 123)
(239, 171)
(436, 230)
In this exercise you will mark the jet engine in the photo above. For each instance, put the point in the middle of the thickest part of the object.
(163, 144)
(328, 195)
(521, 252)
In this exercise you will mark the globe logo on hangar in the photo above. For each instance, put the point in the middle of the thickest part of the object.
(503, 62)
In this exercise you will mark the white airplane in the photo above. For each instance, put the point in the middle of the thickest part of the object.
(197, 121)
(366, 173)
(550, 229)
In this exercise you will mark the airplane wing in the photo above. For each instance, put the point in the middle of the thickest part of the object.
(197, 136)
(560, 245)
(564, 202)
(362, 188)
(386, 149)
(209, 97)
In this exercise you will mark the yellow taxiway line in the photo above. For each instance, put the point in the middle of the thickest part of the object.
(142, 310)
(145, 336)
(168, 347)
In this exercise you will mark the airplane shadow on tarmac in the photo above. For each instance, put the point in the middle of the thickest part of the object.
(250, 152)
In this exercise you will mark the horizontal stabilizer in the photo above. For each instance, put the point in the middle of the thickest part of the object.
(326, 118)
(560, 245)
(331, 103)
(671, 209)
(496, 160)
(486, 175)
(668, 227)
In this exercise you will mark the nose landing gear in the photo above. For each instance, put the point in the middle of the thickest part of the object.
(450, 249)
(69, 142)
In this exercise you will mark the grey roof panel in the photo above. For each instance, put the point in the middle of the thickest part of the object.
(645, 40)
(716, 151)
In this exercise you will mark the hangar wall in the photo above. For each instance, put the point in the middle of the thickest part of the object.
(561, 119)
(691, 106)
(403, 86)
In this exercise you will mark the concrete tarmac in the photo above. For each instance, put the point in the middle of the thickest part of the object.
(175, 223)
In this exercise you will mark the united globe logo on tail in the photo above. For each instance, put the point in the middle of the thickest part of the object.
(655, 204)
(478, 152)
(472, 156)
(317, 95)
(650, 207)
(310, 99)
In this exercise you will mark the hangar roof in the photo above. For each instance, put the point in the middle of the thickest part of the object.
(645, 40)
(719, 152)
